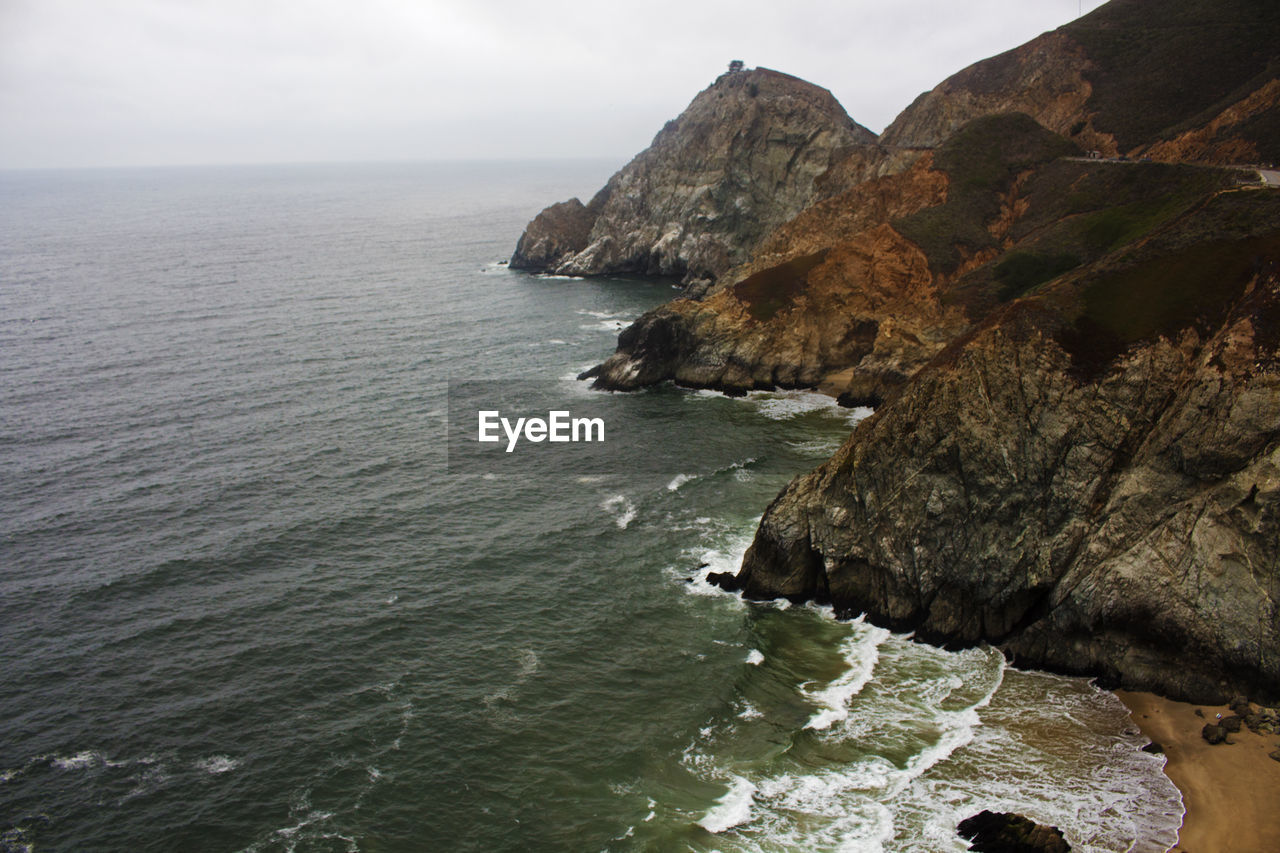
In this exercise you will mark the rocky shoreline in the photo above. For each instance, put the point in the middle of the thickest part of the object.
(1065, 310)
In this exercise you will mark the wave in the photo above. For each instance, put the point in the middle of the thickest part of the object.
(732, 809)
(217, 764)
(679, 480)
(860, 652)
(621, 508)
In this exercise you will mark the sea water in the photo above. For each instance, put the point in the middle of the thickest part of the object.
(246, 604)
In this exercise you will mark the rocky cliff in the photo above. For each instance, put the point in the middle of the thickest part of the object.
(1180, 81)
(1075, 364)
(863, 288)
(738, 162)
(1090, 479)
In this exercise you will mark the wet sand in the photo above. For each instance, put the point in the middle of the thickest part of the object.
(1231, 792)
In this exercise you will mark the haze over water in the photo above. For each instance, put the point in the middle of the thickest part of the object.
(245, 606)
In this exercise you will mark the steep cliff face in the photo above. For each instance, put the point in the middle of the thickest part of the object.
(1090, 479)
(1184, 81)
(862, 289)
(804, 310)
(739, 161)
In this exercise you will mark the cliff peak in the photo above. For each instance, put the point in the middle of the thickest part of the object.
(740, 160)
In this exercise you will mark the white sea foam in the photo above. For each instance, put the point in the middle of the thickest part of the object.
(621, 508)
(606, 321)
(732, 809)
(818, 448)
(755, 656)
(725, 558)
(14, 840)
(528, 664)
(861, 653)
(610, 326)
(79, 761)
(306, 820)
(216, 764)
(784, 405)
(750, 712)
(820, 811)
(679, 480)
(526, 667)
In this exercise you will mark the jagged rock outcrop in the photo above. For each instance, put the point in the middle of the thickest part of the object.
(557, 232)
(1089, 480)
(739, 161)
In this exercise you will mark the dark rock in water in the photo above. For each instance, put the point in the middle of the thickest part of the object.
(1231, 724)
(727, 581)
(1154, 748)
(703, 564)
(1213, 733)
(1000, 832)
(1275, 754)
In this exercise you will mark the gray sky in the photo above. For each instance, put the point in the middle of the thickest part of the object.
(158, 82)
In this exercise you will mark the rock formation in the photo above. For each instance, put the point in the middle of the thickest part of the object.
(1089, 480)
(1001, 832)
(1182, 82)
(1076, 451)
(739, 161)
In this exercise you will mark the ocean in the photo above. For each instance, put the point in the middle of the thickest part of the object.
(247, 603)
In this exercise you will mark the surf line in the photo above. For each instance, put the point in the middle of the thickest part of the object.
(558, 426)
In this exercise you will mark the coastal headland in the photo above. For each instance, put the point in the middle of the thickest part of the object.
(1056, 278)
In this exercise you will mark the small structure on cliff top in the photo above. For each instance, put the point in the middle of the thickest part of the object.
(735, 65)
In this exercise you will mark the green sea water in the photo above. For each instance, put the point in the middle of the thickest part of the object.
(245, 603)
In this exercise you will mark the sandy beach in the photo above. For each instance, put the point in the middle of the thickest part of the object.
(1231, 791)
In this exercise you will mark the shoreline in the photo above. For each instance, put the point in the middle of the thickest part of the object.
(1229, 791)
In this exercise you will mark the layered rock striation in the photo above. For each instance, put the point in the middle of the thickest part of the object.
(739, 161)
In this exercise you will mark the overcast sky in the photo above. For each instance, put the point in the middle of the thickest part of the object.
(159, 82)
